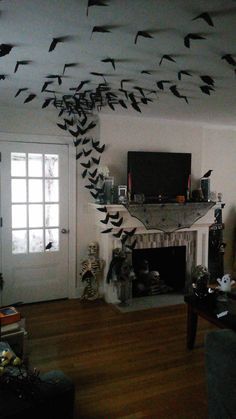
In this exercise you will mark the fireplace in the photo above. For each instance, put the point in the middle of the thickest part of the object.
(159, 270)
(188, 246)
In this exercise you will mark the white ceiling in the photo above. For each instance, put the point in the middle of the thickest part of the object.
(29, 26)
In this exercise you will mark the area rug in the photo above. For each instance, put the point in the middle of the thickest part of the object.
(154, 301)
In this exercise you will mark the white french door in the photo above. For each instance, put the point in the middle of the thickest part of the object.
(34, 232)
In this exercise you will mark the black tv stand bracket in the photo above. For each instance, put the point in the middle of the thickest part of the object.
(169, 217)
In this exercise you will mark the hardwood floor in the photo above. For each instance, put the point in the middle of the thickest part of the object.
(132, 365)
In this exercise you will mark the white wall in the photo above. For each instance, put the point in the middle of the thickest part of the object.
(211, 148)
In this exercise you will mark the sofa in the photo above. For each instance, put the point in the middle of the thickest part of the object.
(220, 361)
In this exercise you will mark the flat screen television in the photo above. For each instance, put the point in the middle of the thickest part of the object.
(158, 176)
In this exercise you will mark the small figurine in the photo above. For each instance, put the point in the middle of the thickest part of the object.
(225, 283)
(200, 277)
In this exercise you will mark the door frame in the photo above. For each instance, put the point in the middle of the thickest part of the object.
(60, 140)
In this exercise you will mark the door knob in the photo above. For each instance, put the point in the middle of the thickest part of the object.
(64, 231)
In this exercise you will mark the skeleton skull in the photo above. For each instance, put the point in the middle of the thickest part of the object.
(154, 276)
(93, 249)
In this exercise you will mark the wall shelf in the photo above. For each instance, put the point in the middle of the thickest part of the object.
(169, 217)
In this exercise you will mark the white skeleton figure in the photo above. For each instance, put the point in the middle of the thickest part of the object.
(90, 269)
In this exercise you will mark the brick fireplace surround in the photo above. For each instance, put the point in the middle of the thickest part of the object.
(195, 238)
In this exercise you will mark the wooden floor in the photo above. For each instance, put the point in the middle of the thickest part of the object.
(132, 365)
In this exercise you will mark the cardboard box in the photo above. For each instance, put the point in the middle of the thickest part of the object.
(9, 315)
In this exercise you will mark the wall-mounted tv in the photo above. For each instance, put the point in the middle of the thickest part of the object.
(159, 176)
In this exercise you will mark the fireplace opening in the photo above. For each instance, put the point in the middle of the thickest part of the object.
(159, 270)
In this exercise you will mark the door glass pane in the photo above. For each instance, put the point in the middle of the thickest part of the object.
(35, 165)
(51, 190)
(51, 165)
(18, 164)
(36, 240)
(52, 239)
(19, 216)
(35, 215)
(19, 241)
(18, 190)
(35, 190)
(52, 215)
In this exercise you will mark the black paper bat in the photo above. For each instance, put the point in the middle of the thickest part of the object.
(117, 223)
(167, 57)
(108, 230)
(208, 80)
(18, 63)
(5, 49)
(99, 149)
(123, 104)
(144, 34)
(86, 165)
(229, 58)
(124, 238)
(176, 93)
(56, 76)
(95, 3)
(146, 72)
(81, 131)
(45, 85)
(89, 186)
(100, 29)
(47, 102)
(79, 87)
(208, 173)
(93, 174)
(2, 76)
(106, 219)
(55, 41)
(192, 36)
(20, 90)
(29, 98)
(96, 160)
(49, 246)
(69, 121)
(94, 194)
(124, 81)
(79, 155)
(206, 17)
(86, 140)
(183, 72)
(206, 89)
(77, 142)
(87, 152)
(102, 209)
(68, 65)
(62, 126)
(119, 233)
(84, 173)
(94, 181)
(109, 60)
(160, 84)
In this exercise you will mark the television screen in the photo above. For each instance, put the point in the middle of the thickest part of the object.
(158, 175)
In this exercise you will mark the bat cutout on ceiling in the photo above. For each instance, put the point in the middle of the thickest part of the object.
(167, 57)
(47, 102)
(96, 3)
(23, 89)
(229, 58)
(30, 98)
(109, 60)
(69, 65)
(160, 84)
(5, 49)
(176, 93)
(100, 29)
(208, 80)
(45, 85)
(57, 40)
(55, 76)
(206, 17)
(146, 72)
(143, 34)
(2, 76)
(23, 62)
(183, 72)
(207, 89)
(192, 36)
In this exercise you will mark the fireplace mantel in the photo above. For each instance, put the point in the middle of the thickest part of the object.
(169, 217)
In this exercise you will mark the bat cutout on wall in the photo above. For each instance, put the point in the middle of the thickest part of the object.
(108, 230)
(117, 223)
(118, 234)
(131, 246)
(29, 98)
(106, 219)
(102, 209)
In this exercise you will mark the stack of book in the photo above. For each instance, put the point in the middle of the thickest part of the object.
(12, 328)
